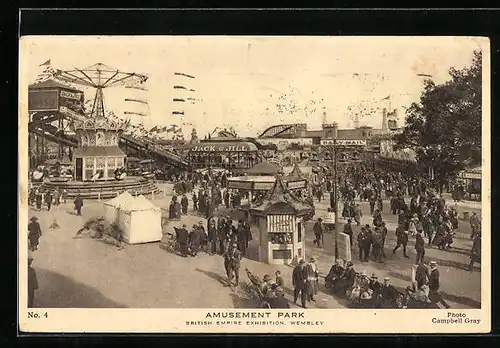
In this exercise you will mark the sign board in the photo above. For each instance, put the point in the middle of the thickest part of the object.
(329, 218)
(263, 186)
(221, 147)
(239, 185)
(280, 223)
(344, 247)
(466, 175)
(344, 142)
(71, 95)
(293, 185)
(43, 100)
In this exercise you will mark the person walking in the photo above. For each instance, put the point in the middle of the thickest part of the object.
(348, 231)
(34, 233)
(434, 295)
(402, 240)
(212, 236)
(48, 199)
(32, 282)
(78, 204)
(419, 247)
(184, 204)
(474, 225)
(232, 259)
(318, 230)
(299, 283)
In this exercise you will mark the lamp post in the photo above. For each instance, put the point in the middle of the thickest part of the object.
(335, 196)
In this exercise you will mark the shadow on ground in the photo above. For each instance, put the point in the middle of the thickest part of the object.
(59, 291)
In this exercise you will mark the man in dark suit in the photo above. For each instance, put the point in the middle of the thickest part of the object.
(299, 282)
(78, 204)
(232, 259)
(434, 295)
(183, 239)
(419, 247)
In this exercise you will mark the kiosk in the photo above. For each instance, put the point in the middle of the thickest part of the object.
(280, 220)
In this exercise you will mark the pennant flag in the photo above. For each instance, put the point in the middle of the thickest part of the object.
(182, 74)
(134, 113)
(177, 112)
(178, 130)
(192, 90)
(387, 98)
(137, 87)
(170, 130)
(136, 100)
(154, 129)
(162, 129)
(179, 87)
(46, 63)
(424, 75)
(178, 100)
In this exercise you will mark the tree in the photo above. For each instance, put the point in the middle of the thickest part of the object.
(444, 128)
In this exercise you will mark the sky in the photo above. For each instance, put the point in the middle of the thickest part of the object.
(238, 79)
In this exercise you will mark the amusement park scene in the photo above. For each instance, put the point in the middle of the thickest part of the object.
(254, 173)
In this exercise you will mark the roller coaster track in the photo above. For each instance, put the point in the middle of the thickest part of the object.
(276, 130)
(49, 132)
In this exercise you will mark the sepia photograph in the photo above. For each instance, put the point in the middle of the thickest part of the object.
(254, 184)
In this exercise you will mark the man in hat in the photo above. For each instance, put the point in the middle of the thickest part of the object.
(474, 225)
(280, 282)
(195, 201)
(376, 287)
(318, 230)
(419, 247)
(312, 279)
(34, 233)
(389, 294)
(475, 254)
(421, 275)
(265, 286)
(195, 240)
(358, 213)
(402, 240)
(32, 282)
(364, 244)
(183, 240)
(232, 259)
(78, 204)
(241, 237)
(221, 234)
(348, 231)
(434, 295)
(299, 282)
(383, 232)
(184, 204)
(348, 278)
(48, 199)
(333, 277)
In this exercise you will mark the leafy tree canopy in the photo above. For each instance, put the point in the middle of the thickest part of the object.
(444, 128)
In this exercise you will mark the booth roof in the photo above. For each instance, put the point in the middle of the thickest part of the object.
(279, 200)
(263, 168)
(51, 84)
(94, 151)
(123, 199)
(142, 203)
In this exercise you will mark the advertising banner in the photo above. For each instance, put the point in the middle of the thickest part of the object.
(39, 100)
(344, 247)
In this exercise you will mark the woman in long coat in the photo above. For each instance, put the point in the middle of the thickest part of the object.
(34, 233)
(312, 279)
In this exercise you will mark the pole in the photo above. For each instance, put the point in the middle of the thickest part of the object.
(335, 195)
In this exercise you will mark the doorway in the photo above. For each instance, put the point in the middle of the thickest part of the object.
(79, 169)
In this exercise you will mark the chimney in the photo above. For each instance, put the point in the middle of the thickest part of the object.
(384, 119)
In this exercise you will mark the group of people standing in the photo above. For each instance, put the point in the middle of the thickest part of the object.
(39, 196)
(305, 281)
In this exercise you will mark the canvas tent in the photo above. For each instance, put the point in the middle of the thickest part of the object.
(138, 218)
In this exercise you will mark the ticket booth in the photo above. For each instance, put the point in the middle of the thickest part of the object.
(281, 227)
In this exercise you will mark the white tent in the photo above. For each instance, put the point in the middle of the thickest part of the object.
(138, 218)
(111, 207)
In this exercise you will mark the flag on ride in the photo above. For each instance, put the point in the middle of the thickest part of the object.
(170, 130)
(387, 98)
(46, 63)
(177, 112)
(154, 129)
(178, 130)
(183, 74)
